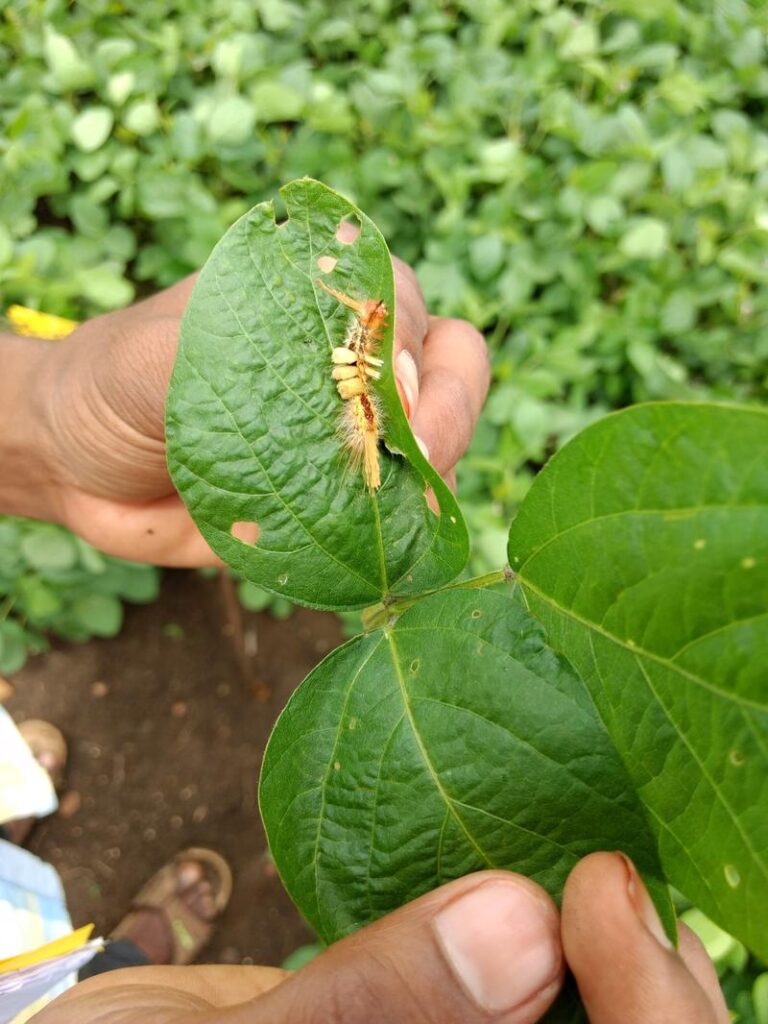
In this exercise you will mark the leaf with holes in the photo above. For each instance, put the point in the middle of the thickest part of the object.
(643, 548)
(453, 741)
(253, 413)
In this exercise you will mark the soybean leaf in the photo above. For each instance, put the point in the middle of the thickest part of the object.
(253, 416)
(453, 741)
(643, 548)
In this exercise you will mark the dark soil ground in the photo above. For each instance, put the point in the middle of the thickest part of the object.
(166, 726)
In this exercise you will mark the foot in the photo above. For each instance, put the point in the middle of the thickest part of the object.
(172, 917)
(150, 928)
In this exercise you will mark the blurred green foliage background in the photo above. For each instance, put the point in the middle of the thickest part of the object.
(586, 182)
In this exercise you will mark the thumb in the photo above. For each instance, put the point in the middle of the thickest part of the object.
(626, 968)
(482, 949)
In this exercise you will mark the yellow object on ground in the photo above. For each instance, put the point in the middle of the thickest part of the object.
(39, 325)
(51, 950)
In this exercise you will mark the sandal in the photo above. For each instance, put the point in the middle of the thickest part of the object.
(189, 933)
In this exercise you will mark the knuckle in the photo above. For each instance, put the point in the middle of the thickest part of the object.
(472, 340)
(353, 996)
(405, 274)
(377, 987)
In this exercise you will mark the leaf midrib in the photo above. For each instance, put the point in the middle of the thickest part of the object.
(704, 770)
(674, 514)
(636, 649)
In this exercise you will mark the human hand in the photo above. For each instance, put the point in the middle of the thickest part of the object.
(103, 390)
(486, 949)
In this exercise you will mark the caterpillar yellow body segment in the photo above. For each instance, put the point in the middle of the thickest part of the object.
(355, 366)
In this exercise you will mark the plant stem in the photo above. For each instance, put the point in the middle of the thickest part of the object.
(386, 612)
(6, 606)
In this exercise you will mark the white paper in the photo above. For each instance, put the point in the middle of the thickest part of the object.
(26, 790)
(20, 990)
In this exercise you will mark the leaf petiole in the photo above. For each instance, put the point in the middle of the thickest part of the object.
(386, 612)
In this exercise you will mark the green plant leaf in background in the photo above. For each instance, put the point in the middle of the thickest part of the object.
(451, 742)
(253, 415)
(52, 582)
(643, 548)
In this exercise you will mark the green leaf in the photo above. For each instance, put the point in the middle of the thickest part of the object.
(602, 213)
(142, 117)
(254, 598)
(679, 312)
(68, 67)
(100, 614)
(120, 86)
(646, 239)
(6, 246)
(643, 548)
(581, 41)
(48, 547)
(90, 130)
(253, 418)
(451, 742)
(719, 945)
(301, 957)
(231, 121)
(13, 646)
(276, 102)
(760, 997)
(129, 580)
(105, 287)
(39, 601)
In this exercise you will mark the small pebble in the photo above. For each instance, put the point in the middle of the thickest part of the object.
(70, 803)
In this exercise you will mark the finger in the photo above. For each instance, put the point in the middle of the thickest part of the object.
(158, 532)
(698, 963)
(411, 323)
(454, 382)
(482, 949)
(170, 301)
(162, 995)
(411, 328)
(626, 968)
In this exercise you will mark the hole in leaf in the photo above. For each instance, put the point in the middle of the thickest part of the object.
(476, 613)
(327, 263)
(348, 230)
(248, 533)
(415, 665)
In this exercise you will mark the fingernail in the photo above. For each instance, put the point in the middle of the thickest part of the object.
(422, 447)
(501, 945)
(408, 378)
(642, 904)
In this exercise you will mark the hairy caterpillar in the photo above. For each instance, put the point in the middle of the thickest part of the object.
(355, 365)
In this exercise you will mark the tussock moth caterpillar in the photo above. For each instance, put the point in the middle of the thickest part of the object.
(355, 365)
